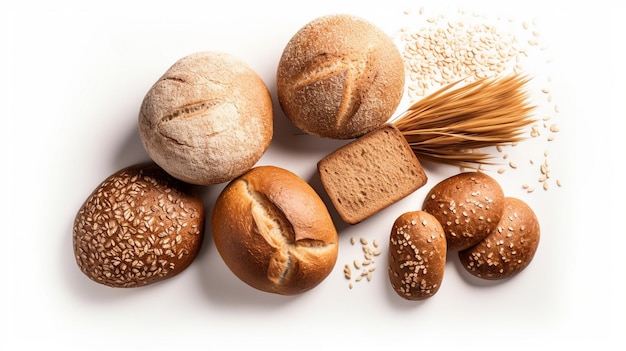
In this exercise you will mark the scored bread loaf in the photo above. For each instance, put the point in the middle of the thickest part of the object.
(371, 173)
(340, 77)
(208, 119)
(274, 232)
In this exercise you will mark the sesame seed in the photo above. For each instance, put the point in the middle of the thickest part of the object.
(127, 244)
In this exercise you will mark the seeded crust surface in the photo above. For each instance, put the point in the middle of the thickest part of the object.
(340, 77)
(468, 205)
(510, 248)
(274, 232)
(417, 255)
(371, 173)
(208, 119)
(138, 227)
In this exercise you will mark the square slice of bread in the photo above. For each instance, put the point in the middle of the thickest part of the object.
(371, 173)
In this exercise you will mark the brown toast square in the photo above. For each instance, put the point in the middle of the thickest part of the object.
(371, 173)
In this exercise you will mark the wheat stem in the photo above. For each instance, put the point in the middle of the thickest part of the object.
(453, 123)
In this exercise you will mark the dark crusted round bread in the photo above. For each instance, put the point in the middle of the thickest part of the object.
(138, 227)
(468, 205)
(510, 248)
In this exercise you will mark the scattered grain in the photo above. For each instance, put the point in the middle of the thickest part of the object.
(366, 265)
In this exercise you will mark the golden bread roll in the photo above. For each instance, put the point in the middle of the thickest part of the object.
(468, 205)
(208, 119)
(510, 248)
(340, 77)
(417, 255)
(274, 232)
(138, 227)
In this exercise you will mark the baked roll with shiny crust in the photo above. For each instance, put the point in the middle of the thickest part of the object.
(274, 232)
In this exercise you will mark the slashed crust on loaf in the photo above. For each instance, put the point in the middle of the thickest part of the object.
(274, 232)
(340, 77)
(371, 173)
(208, 119)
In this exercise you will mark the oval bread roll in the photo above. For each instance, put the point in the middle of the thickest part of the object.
(274, 232)
(138, 227)
(468, 205)
(510, 248)
(417, 255)
(208, 119)
(340, 77)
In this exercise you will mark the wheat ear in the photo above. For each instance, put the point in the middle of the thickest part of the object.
(452, 124)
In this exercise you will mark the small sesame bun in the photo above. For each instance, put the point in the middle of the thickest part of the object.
(468, 205)
(208, 119)
(340, 77)
(417, 255)
(510, 248)
(274, 232)
(138, 227)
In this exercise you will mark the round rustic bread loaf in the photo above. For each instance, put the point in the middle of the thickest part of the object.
(138, 227)
(510, 248)
(468, 205)
(340, 77)
(208, 119)
(274, 232)
(417, 255)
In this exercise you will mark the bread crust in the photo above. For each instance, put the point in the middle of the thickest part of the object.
(468, 205)
(208, 119)
(138, 227)
(274, 232)
(510, 248)
(417, 255)
(340, 77)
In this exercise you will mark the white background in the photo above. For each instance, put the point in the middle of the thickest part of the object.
(73, 77)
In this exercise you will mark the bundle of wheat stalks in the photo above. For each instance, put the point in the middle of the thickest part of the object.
(452, 125)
